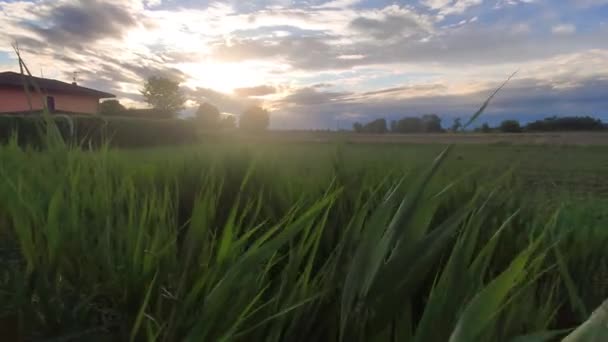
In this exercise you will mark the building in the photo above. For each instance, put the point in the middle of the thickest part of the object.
(59, 96)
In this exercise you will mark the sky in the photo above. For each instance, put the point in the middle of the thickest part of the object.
(319, 64)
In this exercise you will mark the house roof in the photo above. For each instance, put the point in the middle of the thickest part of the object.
(14, 79)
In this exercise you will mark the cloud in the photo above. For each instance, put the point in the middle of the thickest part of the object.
(310, 96)
(83, 23)
(315, 62)
(261, 90)
(563, 29)
(227, 103)
(392, 21)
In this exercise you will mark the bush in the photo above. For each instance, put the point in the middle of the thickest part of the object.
(567, 123)
(94, 131)
(510, 126)
(377, 126)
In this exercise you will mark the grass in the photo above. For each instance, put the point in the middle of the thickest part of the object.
(301, 242)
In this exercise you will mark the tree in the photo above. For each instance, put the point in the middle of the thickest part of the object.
(566, 123)
(485, 128)
(456, 125)
(431, 123)
(228, 122)
(254, 119)
(111, 107)
(357, 127)
(164, 95)
(208, 116)
(409, 125)
(510, 126)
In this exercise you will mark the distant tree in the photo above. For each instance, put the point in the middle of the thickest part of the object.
(566, 123)
(510, 126)
(208, 116)
(456, 125)
(357, 127)
(164, 95)
(485, 128)
(393, 126)
(377, 126)
(228, 122)
(431, 123)
(410, 125)
(254, 119)
(111, 107)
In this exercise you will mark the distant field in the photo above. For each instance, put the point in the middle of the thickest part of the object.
(559, 138)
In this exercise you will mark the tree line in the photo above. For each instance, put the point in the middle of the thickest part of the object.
(166, 101)
(431, 123)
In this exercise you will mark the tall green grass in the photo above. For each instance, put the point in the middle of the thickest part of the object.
(258, 244)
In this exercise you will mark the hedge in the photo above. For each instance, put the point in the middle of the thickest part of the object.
(96, 130)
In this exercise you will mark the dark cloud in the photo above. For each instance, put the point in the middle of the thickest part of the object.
(261, 90)
(85, 22)
(405, 89)
(311, 96)
(389, 27)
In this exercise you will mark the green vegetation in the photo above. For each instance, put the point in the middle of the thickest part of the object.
(300, 242)
(87, 130)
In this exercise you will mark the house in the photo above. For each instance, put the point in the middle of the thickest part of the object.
(59, 96)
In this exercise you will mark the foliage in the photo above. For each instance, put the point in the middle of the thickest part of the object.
(228, 122)
(510, 126)
(377, 126)
(485, 128)
(566, 123)
(208, 116)
(429, 123)
(163, 95)
(299, 243)
(111, 108)
(95, 131)
(254, 119)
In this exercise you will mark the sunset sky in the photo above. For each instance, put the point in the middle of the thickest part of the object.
(326, 64)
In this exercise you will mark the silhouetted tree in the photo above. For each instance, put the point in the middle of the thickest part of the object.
(456, 125)
(485, 128)
(357, 127)
(164, 95)
(510, 126)
(409, 125)
(566, 123)
(111, 107)
(208, 116)
(377, 126)
(228, 122)
(431, 123)
(254, 119)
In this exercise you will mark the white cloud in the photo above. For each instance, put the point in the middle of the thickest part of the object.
(564, 29)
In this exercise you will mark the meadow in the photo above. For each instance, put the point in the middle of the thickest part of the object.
(243, 240)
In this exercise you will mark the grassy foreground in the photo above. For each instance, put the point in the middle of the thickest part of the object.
(304, 242)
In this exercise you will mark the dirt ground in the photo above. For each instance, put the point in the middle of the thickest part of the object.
(560, 138)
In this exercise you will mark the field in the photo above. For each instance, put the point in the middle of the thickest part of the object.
(284, 239)
(546, 138)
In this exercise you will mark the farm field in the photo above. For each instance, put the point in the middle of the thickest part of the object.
(540, 138)
(257, 240)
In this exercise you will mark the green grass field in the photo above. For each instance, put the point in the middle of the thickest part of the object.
(234, 241)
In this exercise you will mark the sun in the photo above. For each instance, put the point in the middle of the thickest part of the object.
(224, 77)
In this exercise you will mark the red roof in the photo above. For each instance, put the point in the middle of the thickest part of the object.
(14, 79)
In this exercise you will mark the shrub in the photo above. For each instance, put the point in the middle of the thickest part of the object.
(510, 126)
(94, 131)
(567, 123)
